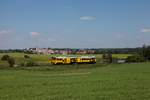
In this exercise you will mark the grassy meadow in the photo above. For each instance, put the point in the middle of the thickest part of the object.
(109, 82)
(74, 82)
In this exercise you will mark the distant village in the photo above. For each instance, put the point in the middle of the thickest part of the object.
(73, 50)
(58, 51)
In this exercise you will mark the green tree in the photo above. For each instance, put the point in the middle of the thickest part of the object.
(145, 52)
(5, 57)
(11, 61)
(107, 58)
(135, 58)
(26, 56)
(110, 57)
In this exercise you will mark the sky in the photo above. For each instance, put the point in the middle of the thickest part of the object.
(74, 23)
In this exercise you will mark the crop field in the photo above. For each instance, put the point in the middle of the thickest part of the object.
(75, 82)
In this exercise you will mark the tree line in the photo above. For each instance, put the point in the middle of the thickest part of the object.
(97, 50)
(139, 55)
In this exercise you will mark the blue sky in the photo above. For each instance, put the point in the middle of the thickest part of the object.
(74, 23)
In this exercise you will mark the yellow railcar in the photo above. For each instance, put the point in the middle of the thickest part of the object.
(86, 59)
(62, 60)
(73, 60)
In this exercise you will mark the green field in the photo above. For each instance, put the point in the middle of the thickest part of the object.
(43, 59)
(76, 82)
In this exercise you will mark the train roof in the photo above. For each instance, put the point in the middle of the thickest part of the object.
(87, 57)
(62, 57)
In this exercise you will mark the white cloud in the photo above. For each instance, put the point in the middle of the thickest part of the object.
(5, 32)
(145, 30)
(87, 18)
(34, 33)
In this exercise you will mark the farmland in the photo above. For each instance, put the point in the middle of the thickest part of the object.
(75, 82)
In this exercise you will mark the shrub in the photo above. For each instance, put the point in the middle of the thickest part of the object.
(29, 62)
(135, 58)
(107, 58)
(26, 56)
(11, 61)
(5, 57)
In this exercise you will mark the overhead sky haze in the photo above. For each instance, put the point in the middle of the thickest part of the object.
(74, 23)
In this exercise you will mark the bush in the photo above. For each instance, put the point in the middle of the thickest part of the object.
(27, 63)
(26, 56)
(107, 58)
(11, 61)
(135, 58)
(5, 57)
